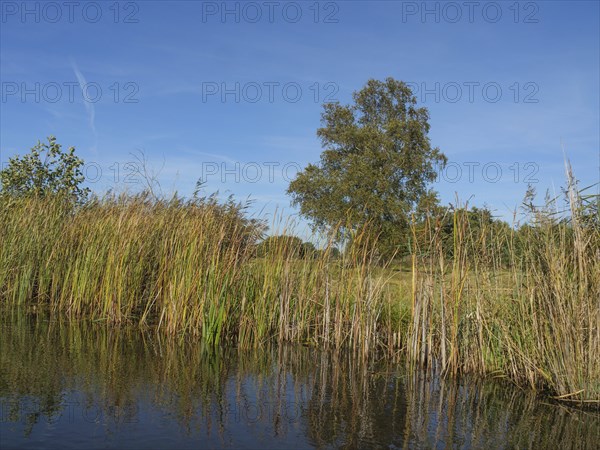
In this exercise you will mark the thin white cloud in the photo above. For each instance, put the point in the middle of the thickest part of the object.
(89, 106)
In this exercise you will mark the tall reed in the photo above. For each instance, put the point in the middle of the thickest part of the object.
(518, 303)
(481, 297)
(189, 267)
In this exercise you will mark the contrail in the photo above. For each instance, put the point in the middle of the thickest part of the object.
(89, 106)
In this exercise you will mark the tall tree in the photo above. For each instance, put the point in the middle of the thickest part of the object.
(376, 164)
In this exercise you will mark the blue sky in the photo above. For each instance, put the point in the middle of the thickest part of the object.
(233, 91)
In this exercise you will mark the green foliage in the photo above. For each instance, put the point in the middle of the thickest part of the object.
(375, 167)
(448, 224)
(478, 222)
(45, 170)
(308, 250)
(286, 246)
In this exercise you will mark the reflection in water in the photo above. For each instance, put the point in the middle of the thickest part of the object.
(87, 385)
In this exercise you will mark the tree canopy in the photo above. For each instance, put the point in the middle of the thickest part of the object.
(46, 169)
(376, 164)
(287, 246)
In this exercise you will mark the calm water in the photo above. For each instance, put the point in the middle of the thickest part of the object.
(87, 386)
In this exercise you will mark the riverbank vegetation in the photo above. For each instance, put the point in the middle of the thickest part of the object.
(453, 288)
(519, 303)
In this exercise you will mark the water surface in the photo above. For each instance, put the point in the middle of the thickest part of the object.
(83, 385)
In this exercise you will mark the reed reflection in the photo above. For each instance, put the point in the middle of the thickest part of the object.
(121, 379)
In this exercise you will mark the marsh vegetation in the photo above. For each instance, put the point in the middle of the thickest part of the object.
(516, 303)
(394, 273)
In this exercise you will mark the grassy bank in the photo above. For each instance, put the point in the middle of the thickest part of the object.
(522, 305)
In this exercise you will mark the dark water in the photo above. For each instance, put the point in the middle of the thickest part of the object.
(89, 386)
